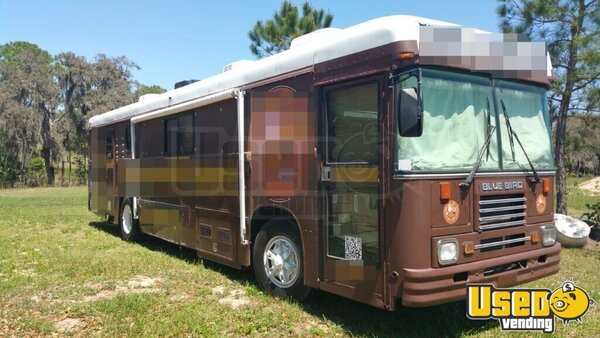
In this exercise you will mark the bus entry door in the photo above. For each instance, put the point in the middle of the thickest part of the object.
(350, 178)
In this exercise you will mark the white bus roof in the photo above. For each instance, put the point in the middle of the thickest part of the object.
(305, 51)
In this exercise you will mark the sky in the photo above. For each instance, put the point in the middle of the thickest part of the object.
(177, 40)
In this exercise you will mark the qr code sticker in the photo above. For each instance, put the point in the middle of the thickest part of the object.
(353, 248)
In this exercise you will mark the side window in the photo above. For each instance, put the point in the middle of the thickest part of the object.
(185, 130)
(179, 136)
(171, 137)
(110, 140)
(352, 124)
(128, 138)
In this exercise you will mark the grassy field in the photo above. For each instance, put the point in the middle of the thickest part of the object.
(65, 272)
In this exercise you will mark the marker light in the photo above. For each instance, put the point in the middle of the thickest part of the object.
(548, 235)
(468, 248)
(406, 55)
(535, 237)
(546, 183)
(447, 251)
(445, 190)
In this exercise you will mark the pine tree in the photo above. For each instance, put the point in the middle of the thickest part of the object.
(276, 34)
(571, 30)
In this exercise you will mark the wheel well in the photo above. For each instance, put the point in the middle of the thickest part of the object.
(264, 214)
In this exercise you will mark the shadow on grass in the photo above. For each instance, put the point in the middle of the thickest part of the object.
(447, 320)
(177, 251)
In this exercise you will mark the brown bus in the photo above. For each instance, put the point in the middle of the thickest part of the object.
(395, 160)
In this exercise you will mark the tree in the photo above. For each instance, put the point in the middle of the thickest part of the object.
(276, 34)
(76, 78)
(582, 145)
(45, 103)
(29, 95)
(113, 83)
(571, 29)
(143, 90)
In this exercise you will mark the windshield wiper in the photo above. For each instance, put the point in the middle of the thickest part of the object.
(467, 183)
(512, 134)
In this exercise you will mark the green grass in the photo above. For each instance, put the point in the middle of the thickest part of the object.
(577, 198)
(58, 262)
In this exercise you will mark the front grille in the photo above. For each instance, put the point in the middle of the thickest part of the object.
(497, 212)
(498, 243)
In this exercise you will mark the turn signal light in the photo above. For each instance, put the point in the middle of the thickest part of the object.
(546, 182)
(445, 190)
(535, 237)
(406, 55)
(468, 248)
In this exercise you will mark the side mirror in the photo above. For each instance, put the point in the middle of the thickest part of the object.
(410, 113)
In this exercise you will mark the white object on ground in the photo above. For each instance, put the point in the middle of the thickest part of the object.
(571, 232)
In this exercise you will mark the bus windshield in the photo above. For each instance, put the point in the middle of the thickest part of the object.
(459, 109)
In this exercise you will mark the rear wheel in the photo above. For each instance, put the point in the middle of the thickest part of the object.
(128, 225)
(278, 260)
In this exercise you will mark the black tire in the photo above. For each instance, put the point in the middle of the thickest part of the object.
(132, 232)
(282, 232)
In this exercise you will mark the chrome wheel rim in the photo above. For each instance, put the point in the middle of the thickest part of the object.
(281, 261)
(126, 219)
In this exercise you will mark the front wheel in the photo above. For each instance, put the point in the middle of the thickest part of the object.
(128, 225)
(278, 261)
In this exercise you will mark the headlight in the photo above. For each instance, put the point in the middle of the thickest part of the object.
(548, 235)
(447, 251)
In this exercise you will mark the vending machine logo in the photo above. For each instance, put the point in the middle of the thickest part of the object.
(527, 309)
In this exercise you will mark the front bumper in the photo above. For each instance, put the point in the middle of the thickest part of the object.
(426, 287)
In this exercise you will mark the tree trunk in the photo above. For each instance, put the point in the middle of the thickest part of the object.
(559, 149)
(47, 143)
(563, 110)
(48, 165)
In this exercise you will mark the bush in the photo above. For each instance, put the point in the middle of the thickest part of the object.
(36, 172)
(10, 170)
(81, 170)
(594, 214)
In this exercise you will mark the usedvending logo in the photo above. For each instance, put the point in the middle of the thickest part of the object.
(527, 309)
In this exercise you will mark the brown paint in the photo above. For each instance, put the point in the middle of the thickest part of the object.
(192, 200)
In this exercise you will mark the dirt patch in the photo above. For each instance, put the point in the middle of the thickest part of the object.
(138, 284)
(69, 325)
(592, 185)
(25, 272)
(235, 298)
(178, 298)
(592, 245)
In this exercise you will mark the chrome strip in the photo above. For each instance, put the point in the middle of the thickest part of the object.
(149, 203)
(500, 243)
(505, 200)
(512, 207)
(464, 175)
(501, 217)
(501, 225)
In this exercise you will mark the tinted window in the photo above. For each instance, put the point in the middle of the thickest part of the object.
(186, 135)
(128, 138)
(352, 115)
(179, 136)
(110, 138)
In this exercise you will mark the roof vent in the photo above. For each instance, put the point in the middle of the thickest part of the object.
(184, 83)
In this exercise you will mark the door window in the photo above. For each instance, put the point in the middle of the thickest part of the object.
(352, 156)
